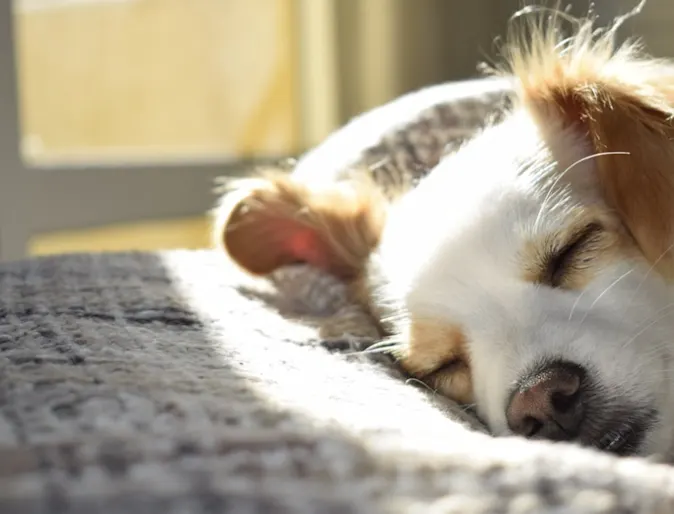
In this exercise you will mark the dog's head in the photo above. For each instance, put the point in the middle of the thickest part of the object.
(530, 274)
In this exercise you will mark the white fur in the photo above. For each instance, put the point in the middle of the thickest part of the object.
(450, 250)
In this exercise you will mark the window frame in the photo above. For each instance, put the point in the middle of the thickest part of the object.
(36, 198)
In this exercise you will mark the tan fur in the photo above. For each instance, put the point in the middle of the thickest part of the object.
(602, 248)
(274, 221)
(437, 353)
(623, 102)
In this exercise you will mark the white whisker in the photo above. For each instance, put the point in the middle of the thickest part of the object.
(423, 384)
(650, 325)
(650, 269)
(575, 304)
(601, 295)
(561, 175)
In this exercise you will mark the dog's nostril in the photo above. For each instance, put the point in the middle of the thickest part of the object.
(531, 426)
(562, 402)
(549, 404)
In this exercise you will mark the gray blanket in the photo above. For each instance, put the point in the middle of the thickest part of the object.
(168, 383)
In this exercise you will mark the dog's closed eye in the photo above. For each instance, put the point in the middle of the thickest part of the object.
(452, 378)
(569, 258)
(574, 256)
(437, 354)
(450, 366)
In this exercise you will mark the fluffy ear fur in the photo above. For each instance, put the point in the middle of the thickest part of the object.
(623, 102)
(273, 221)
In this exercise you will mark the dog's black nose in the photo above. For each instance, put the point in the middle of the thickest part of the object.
(549, 403)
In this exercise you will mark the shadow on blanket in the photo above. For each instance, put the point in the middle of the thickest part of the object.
(170, 383)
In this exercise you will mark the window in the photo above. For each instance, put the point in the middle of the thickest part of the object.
(115, 111)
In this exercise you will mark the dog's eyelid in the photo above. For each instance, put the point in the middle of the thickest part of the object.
(447, 366)
(561, 259)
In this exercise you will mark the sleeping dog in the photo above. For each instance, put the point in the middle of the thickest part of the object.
(529, 272)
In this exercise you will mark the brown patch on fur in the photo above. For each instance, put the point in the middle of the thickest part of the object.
(598, 244)
(437, 353)
(624, 102)
(274, 221)
(641, 186)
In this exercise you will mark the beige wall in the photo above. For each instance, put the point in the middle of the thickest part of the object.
(157, 77)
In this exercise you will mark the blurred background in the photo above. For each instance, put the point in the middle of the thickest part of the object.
(117, 115)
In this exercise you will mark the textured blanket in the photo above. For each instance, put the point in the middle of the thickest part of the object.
(168, 383)
(171, 383)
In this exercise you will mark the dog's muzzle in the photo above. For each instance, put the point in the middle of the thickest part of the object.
(559, 401)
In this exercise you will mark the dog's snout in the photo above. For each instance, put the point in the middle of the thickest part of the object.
(549, 404)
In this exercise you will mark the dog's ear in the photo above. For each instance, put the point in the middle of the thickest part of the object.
(621, 102)
(273, 221)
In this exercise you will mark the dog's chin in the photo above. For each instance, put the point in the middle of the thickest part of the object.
(625, 435)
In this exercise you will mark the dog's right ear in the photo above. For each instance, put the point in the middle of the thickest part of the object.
(273, 221)
(622, 102)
